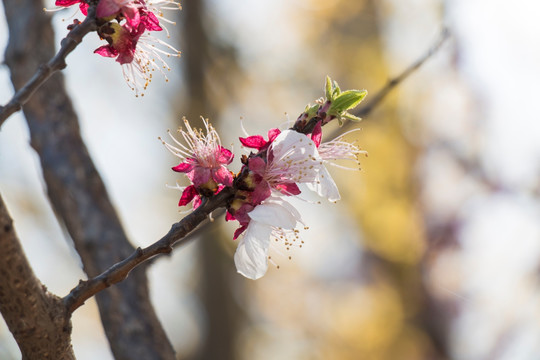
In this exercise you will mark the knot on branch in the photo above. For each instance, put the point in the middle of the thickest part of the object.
(168, 249)
(74, 25)
(45, 68)
(8, 227)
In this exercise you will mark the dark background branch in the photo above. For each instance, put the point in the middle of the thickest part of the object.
(180, 230)
(44, 71)
(120, 271)
(392, 83)
(76, 190)
(373, 101)
(80, 198)
(212, 72)
(36, 318)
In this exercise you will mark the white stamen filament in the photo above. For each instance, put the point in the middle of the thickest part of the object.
(203, 146)
(138, 73)
(338, 149)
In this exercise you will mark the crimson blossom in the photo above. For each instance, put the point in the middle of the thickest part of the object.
(126, 25)
(278, 169)
(203, 160)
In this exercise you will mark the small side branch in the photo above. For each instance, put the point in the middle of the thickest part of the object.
(44, 72)
(120, 270)
(392, 83)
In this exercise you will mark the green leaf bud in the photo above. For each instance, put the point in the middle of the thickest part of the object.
(347, 100)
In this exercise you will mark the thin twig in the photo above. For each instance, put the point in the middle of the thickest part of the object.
(120, 271)
(392, 83)
(44, 72)
(179, 231)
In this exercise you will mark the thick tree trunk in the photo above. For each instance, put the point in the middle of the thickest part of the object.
(77, 191)
(37, 319)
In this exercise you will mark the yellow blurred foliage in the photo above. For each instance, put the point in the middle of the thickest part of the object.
(382, 196)
(369, 323)
(368, 319)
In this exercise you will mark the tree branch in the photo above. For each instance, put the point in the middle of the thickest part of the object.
(44, 72)
(121, 270)
(381, 94)
(36, 318)
(180, 230)
(76, 190)
(375, 100)
(392, 83)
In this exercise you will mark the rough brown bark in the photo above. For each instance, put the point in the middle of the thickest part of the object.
(57, 63)
(37, 319)
(176, 235)
(77, 191)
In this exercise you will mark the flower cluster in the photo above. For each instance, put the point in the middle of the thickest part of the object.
(203, 160)
(273, 171)
(126, 26)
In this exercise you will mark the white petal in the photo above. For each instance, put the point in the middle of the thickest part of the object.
(292, 140)
(251, 257)
(274, 214)
(291, 147)
(325, 185)
(293, 211)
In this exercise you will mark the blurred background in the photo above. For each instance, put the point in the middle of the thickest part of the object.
(434, 251)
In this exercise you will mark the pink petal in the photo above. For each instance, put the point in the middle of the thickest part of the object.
(225, 156)
(126, 57)
(132, 15)
(229, 217)
(253, 142)
(197, 201)
(270, 155)
(222, 176)
(239, 231)
(150, 21)
(257, 165)
(136, 33)
(262, 192)
(241, 214)
(66, 2)
(107, 8)
(107, 51)
(183, 167)
(187, 195)
(288, 188)
(199, 175)
(84, 8)
(272, 134)
(316, 135)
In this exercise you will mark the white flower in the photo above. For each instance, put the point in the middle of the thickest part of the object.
(336, 149)
(274, 219)
(294, 157)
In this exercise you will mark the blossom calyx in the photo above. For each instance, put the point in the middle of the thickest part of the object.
(122, 41)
